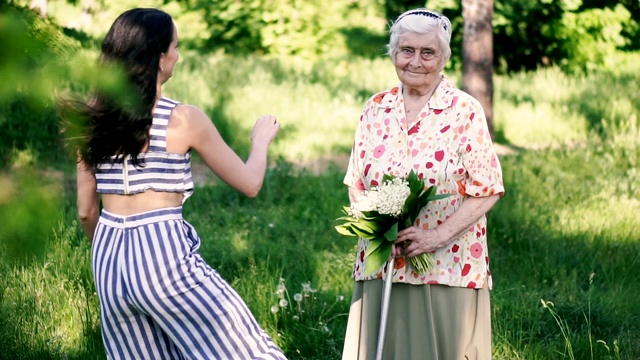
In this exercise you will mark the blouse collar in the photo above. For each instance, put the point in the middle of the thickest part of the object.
(444, 97)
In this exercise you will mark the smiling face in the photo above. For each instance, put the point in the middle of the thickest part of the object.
(418, 60)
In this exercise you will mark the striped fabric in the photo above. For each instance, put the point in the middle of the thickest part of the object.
(160, 300)
(159, 170)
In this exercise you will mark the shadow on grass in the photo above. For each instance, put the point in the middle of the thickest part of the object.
(611, 111)
(590, 278)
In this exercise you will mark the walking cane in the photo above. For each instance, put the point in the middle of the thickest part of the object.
(388, 279)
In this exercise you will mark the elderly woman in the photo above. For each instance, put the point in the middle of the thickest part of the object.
(427, 125)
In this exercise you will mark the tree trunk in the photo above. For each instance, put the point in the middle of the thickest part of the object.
(40, 6)
(477, 54)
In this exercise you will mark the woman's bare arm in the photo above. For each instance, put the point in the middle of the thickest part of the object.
(246, 177)
(88, 202)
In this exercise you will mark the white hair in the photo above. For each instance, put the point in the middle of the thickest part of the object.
(421, 21)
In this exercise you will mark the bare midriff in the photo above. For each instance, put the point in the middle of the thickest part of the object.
(149, 200)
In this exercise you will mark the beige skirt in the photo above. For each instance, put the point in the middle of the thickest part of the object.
(425, 322)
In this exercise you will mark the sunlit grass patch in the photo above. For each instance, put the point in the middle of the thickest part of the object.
(49, 306)
(617, 216)
(539, 125)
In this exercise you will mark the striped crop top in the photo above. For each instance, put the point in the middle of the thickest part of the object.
(158, 169)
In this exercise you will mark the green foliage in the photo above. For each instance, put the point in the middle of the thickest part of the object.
(592, 37)
(575, 35)
(29, 67)
(29, 209)
(393, 8)
(275, 27)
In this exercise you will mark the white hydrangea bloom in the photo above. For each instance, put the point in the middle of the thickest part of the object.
(387, 198)
(392, 195)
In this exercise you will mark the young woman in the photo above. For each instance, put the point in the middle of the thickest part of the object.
(158, 298)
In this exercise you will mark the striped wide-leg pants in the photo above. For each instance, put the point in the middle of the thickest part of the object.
(160, 300)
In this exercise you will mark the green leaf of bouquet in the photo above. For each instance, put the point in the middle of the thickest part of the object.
(438, 197)
(387, 177)
(392, 233)
(416, 186)
(407, 202)
(377, 258)
(406, 222)
(426, 196)
(370, 214)
(412, 205)
(430, 191)
(346, 219)
(345, 230)
(370, 226)
(412, 177)
(374, 244)
(384, 221)
(363, 230)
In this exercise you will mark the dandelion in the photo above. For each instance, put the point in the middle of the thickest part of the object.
(280, 289)
(297, 297)
(306, 288)
(323, 327)
(340, 298)
(274, 309)
(283, 303)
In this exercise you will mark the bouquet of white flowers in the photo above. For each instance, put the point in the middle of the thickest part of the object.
(378, 215)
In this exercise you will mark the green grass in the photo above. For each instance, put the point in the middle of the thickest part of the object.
(566, 232)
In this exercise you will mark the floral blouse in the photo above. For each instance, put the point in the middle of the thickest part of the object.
(449, 146)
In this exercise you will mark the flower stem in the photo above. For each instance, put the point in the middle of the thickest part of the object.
(423, 262)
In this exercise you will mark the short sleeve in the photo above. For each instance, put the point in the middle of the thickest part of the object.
(479, 157)
(353, 177)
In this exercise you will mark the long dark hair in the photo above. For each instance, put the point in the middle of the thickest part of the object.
(112, 126)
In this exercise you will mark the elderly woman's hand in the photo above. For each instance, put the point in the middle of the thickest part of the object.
(414, 241)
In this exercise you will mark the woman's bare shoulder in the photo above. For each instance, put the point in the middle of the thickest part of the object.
(186, 112)
(189, 127)
(187, 117)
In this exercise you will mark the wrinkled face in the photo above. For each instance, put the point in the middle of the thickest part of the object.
(169, 59)
(418, 59)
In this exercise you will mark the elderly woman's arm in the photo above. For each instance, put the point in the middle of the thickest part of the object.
(353, 194)
(422, 241)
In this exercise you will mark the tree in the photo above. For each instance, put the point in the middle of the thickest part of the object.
(393, 8)
(477, 54)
